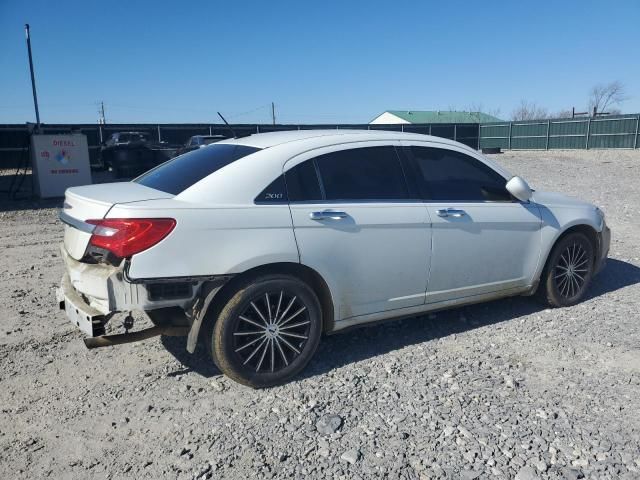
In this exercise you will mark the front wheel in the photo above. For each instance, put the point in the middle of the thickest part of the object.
(568, 272)
(267, 332)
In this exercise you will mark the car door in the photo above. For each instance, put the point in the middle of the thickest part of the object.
(483, 239)
(356, 224)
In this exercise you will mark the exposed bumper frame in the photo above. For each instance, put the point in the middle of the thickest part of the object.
(78, 311)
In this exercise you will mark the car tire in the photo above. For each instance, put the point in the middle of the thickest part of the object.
(267, 332)
(568, 271)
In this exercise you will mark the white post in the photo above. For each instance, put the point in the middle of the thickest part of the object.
(586, 146)
(548, 128)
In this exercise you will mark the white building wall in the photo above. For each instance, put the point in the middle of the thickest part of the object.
(387, 118)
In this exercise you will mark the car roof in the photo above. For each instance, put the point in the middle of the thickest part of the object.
(256, 170)
(333, 137)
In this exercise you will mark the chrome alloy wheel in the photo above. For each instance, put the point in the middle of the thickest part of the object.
(271, 332)
(571, 271)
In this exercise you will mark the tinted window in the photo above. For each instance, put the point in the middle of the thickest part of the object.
(302, 183)
(181, 172)
(276, 192)
(450, 175)
(372, 173)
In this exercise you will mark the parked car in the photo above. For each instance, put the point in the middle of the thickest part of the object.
(129, 154)
(123, 153)
(199, 141)
(259, 245)
(127, 138)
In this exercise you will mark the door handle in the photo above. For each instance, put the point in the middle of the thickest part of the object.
(450, 212)
(328, 214)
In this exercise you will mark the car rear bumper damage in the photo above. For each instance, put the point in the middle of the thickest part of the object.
(88, 319)
(92, 322)
(108, 290)
(90, 294)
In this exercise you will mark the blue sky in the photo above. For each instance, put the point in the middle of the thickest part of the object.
(342, 61)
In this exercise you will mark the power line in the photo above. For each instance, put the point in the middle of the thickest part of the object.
(261, 107)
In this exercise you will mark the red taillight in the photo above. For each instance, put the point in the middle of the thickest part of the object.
(127, 236)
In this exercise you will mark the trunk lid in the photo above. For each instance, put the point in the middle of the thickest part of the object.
(94, 202)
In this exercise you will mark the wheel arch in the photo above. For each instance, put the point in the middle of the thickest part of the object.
(587, 230)
(298, 270)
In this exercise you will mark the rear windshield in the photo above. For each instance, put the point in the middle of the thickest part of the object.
(181, 172)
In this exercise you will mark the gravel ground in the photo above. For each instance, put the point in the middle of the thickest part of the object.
(506, 389)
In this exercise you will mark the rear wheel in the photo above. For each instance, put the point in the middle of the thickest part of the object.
(568, 271)
(267, 332)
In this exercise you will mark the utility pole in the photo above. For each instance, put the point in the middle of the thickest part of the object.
(273, 112)
(102, 120)
(33, 78)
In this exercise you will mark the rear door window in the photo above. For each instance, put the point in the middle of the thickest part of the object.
(302, 183)
(369, 173)
(183, 171)
(447, 175)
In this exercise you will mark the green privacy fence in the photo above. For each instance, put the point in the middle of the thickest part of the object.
(620, 131)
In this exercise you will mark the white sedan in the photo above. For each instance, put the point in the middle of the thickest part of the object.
(258, 245)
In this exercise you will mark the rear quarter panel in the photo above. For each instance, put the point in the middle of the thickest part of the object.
(212, 240)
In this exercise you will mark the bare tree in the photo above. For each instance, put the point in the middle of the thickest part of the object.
(529, 111)
(477, 107)
(602, 97)
(564, 113)
(494, 112)
(474, 107)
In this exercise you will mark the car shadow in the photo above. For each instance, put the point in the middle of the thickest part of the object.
(373, 340)
(616, 274)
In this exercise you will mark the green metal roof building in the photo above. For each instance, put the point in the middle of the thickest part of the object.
(432, 116)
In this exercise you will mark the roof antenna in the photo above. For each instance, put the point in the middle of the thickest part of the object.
(227, 123)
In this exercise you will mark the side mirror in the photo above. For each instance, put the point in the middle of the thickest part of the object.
(519, 189)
